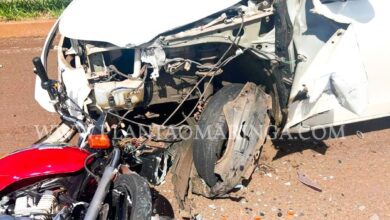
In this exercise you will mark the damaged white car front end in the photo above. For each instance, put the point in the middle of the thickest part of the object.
(343, 74)
(298, 64)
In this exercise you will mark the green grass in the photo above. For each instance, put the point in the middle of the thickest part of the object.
(22, 9)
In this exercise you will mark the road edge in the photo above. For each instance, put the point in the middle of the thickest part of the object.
(19, 29)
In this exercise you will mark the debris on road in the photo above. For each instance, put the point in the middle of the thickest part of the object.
(359, 134)
(362, 207)
(290, 213)
(198, 217)
(213, 207)
(243, 201)
(308, 182)
(374, 217)
(239, 186)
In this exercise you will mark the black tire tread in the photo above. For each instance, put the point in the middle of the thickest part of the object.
(206, 151)
(141, 197)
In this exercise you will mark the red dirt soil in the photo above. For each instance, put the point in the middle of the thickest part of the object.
(25, 29)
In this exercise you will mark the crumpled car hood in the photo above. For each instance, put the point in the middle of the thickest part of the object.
(128, 23)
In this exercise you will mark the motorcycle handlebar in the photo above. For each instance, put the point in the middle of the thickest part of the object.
(47, 84)
(40, 70)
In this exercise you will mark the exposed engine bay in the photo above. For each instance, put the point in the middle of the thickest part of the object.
(189, 63)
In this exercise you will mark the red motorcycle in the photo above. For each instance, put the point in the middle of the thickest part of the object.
(87, 181)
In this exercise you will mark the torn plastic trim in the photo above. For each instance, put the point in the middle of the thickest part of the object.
(335, 77)
(332, 73)
(339, 69)
(77, 88)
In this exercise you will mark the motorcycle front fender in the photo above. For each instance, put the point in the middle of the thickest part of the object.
(38, 162)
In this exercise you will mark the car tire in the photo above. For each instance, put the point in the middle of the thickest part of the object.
(207, 151)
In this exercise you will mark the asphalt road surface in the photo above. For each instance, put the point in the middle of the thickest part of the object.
(352, 172)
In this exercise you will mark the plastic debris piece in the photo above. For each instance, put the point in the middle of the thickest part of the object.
(308, 182)
(213, 207)
(239, 186)
(359, 134)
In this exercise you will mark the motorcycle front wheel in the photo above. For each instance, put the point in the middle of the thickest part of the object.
(130, 198)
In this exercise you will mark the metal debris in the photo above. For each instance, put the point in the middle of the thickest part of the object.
(308, 182)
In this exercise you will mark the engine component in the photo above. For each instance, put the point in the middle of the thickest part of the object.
(125, 94)
(24, 206)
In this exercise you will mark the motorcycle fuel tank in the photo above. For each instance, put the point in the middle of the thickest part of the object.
(40, 161)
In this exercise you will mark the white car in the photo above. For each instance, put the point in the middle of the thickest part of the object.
(233, 67)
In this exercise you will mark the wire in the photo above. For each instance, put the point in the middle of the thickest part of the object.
(78, 108)
(213, 69)
(221, 62)
(122, 118)
(115, 70)
(87, 169)
(182, 59)
(132, 89)
(193, 110)
(185, 99)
